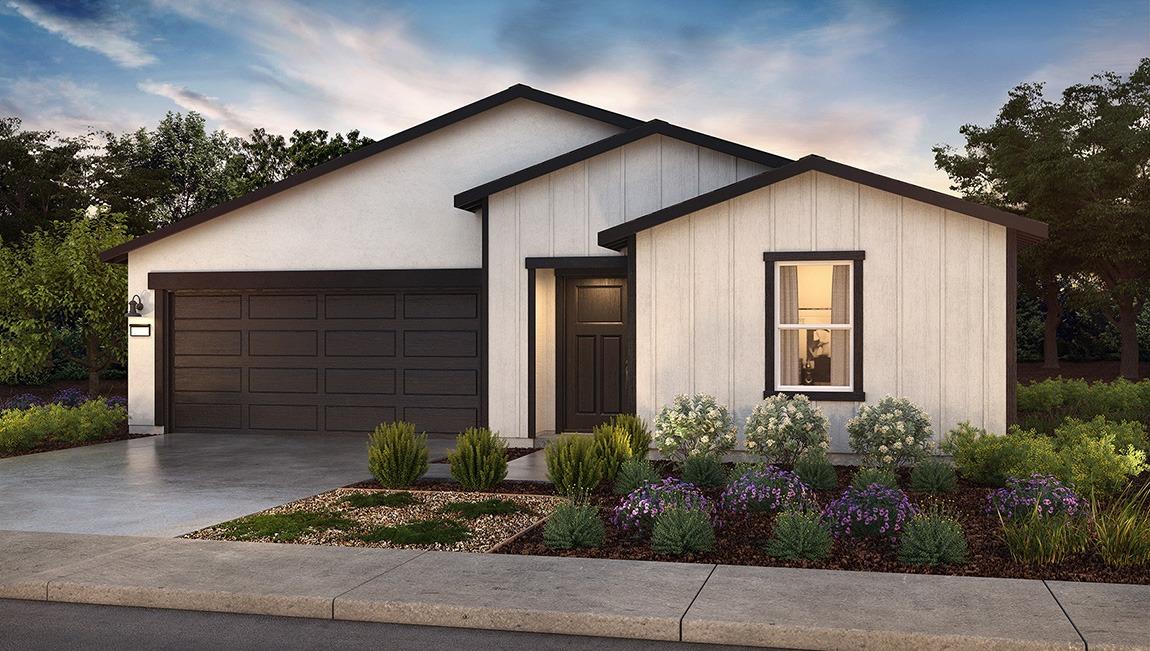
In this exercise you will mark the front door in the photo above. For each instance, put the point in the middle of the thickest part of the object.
(594, 358)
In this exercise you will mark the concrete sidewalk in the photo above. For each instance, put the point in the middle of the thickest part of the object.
(771, 607)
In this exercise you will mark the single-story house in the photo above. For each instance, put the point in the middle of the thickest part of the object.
(535, 264)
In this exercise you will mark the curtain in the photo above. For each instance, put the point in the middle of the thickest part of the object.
(840, 339)
(789, 313)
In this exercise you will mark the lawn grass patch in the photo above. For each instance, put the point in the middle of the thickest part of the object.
(393, 500)
(283, 526)
(473, 510)
(421, 532)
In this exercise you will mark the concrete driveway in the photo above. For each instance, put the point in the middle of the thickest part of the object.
(172, 484)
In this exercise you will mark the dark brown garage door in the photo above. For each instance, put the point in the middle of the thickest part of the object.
(324, 361)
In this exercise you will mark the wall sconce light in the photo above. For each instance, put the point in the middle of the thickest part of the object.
(135, 305)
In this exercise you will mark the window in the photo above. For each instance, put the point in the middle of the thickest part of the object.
(814, 324)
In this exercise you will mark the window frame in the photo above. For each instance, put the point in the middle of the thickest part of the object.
(771, 259)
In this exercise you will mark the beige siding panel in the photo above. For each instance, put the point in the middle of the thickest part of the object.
(750, 237)
(504, 389)
(672, 281)
(643, 312)
(879, 237)
(544, 351)
(996, 329)
(569, 210)
(715, 169)
(604, 196)
(679, 179)
(793, 205)
(836, 213)
(746, 168)
(641, 171)
(964, 283)
(533, 225)
(711, 307)
(920, 344)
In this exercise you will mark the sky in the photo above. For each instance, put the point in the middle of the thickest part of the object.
(872, 84)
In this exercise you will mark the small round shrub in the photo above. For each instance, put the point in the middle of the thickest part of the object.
(882, 476)
(70, 397)
(932, 475)
(573, 525)
(612, 447)
(932, 539)
(395, 455)
(890, 433)
(800, 535)
(694, 426)
(703, 470)
(479, 460)
(782, 428)
(637, 433)
(682, 531)
(573, 464)
(874, 511)
(639, 508)
(816, 471)
(634, 472)
(1038, 495)
(22, 401)
(766, 489)
(989, 459)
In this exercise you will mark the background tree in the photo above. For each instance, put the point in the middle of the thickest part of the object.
(55, 282)
(266, 158)
(41, 177)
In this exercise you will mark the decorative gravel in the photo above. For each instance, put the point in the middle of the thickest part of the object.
(486, 531)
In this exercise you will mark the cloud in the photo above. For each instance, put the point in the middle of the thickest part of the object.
(209, 107)
(89, 25)
(62, 105)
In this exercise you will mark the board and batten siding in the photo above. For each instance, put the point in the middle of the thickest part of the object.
(560, 214)
(934, 300)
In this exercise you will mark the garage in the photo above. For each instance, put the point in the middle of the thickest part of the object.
(325, 352)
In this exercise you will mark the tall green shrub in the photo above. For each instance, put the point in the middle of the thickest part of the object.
(479, 460)
(573, 465)
(395, 455)
(613, 447)
(1043, 406)
(637, 433)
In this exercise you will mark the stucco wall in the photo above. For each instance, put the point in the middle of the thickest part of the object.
(561, 214)
(933, 299)
(390, 211)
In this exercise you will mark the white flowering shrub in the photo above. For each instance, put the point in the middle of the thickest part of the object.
(890, 433)
(693, 426)
(782, 429)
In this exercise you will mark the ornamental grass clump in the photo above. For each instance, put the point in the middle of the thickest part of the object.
(1122, 529)
(932, 539)
(694, 426)
(1038, 495)
(1037, 539)
(782, 429)
(932, 475)
(767, 489)
(637, 433)
(874, 511)
(703, 470)
(634, 473)
(572, 526)
(395, 455)
(479, 460)
(639, 508)
(882, 476)
(573, 464)
(612, 447)
(816, 471)
(800, 535)
(890, 433)
(679, 531)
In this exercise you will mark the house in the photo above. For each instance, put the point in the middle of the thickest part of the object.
(536, 264)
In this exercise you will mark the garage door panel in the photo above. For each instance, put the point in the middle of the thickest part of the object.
(218, 380)
(283, 380)
(193, 416)
(300, 418)
(206, 342)
(207, 307)
(363, 381)
(440, 382)
(440, 343)
(283, 343)
(283, 307)
(345, 418)
(359, 343)
(442, 420)
(440, 306)
(360, 306)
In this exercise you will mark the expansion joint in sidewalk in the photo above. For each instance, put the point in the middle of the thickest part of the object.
(372, 578)
(1085, 644)
(699, 592)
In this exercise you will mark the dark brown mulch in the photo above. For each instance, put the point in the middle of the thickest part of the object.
(121, 434)
(741, 542)
(1092, 371)
(512, 454)
(108, 388)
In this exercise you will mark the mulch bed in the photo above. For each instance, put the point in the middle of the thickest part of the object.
(741, 542)
(512, 454)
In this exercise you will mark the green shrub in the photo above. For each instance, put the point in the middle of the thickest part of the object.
(574, 525)
(1043, 406)
(283, 527)
(26, 429)
(932, 475)
(882, 476)
(420, 532)
(1100, 456)
(637, 433)
(479, 460)
(990, 459)
(703, 470)
(380, 498)
(682, 531)
(634, 472)
(1122, 529)
(395, 455)
(890, 433)
(473, 510)
(1037, 539)
(799, 536)
(573, 465)
(932, 539)
(817, 472)
(612, 447)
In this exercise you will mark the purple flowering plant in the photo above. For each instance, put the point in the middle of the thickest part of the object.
(21, 401)
(639, 508)
(1041, 494)
(764, 488)
(70, 397)
(874, 511)
(116, 401)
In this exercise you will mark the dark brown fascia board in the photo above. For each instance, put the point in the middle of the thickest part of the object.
(596, 262)
(1029, 230)
(469, 199)
(349, 279)
(519, 91)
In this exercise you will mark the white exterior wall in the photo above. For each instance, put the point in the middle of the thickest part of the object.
(934, 300)
(561, 214)
(392, 210)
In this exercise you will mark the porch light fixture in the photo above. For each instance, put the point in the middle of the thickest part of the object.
(135, 305)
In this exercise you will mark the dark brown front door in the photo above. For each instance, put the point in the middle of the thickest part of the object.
(594, 355)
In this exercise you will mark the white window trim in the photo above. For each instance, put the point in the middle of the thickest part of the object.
(848, 326)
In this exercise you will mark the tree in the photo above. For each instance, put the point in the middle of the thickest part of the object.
(41, 178)
(55, 281)
(1082, 165)
(266, 158)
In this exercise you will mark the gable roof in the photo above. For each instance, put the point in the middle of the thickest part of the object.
(1029, 230)
(471, 199)
(518, 91)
